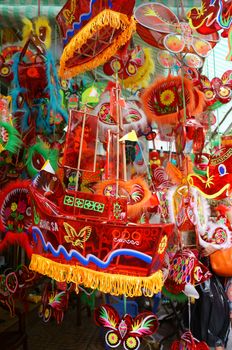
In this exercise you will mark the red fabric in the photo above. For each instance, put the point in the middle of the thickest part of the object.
(73, 11)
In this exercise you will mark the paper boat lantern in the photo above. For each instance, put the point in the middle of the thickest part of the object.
(93, 31)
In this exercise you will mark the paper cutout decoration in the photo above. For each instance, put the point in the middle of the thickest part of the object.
(135, 190)
(93, 33)
(126, 330)
(217, 235)
(160, 27)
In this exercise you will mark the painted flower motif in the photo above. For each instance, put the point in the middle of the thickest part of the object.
(131, 342)
(113, 338)
(209, 94)
(33, 72)
(167, 97)
(22, 207)
(13, 206)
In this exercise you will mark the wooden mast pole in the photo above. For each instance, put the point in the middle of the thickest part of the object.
(81, 146)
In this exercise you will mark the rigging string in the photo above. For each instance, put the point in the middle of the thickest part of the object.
(38, 8)
(218, 124)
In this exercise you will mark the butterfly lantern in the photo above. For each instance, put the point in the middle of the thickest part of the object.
(133, 66)
(54, 303)
(218, 90)
(125, 62)
(187, 342)
(126, 330)
(160, 27)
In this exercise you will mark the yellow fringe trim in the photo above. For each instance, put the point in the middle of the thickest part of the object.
(115, 20)
(142, 78)
(114, 284)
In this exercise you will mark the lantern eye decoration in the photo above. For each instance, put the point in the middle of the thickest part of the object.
(222, 170)
(112, 339)
(5, 71)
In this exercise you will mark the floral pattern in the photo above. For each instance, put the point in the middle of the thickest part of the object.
(167, 97)
(15, 211)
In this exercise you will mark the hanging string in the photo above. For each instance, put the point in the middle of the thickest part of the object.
(38, 8)
(55, 50)
(124, 304)
(86, 292)
(189, 314)
(217, 113)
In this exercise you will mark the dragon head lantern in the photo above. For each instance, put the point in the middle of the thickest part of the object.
(217, 182)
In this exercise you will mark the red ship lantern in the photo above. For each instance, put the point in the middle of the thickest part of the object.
(87, 238)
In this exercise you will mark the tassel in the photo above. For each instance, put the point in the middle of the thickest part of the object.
(114, 284)
(105, 18)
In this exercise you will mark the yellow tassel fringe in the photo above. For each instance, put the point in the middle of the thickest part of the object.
(114, 284)
(115, 20)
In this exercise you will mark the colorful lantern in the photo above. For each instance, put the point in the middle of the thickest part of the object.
(133, 66)
(185, 269)
(15, 215)
(217, 183)
(93, 33)
(163, 100)
(160, 27)
(126, 330)
(211, 17)
(187, 342)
